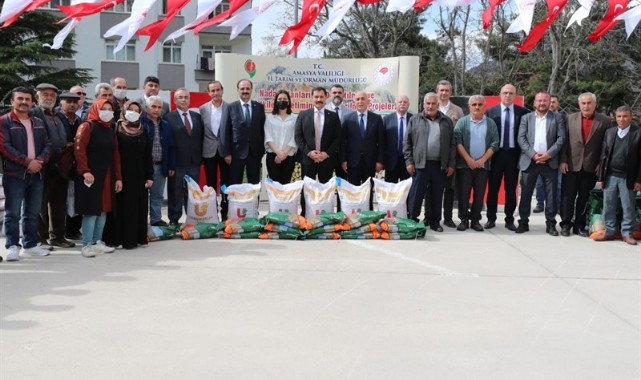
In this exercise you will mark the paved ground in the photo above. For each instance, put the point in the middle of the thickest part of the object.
(455, 305)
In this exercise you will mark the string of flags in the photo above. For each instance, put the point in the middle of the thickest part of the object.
(628, 11)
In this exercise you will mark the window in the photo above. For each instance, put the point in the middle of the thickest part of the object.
(124, 7)
(172, 53)
(222, 7)
(208, 51)
(127, 53)
(52, 4)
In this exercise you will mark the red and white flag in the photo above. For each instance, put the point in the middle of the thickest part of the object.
(554, 10)
(242, 19)
(296, 33)
(523, 22)
(155, 29)
(87, 8)
(234, 5)
(339, 10)
(128, 27)
(615, 8)
(62, 35)
(14, 9)
(631, 17)
(421, 5)
(205, 8)
(581, 14)
(488, 14)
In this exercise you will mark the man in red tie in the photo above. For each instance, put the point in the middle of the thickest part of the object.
(187, 132)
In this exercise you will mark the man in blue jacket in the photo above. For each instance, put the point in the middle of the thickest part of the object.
(25, 149)
(162, 155)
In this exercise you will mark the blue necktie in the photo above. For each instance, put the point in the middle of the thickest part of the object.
(401, 133)
(362, 125)
(247, 116)
(506, 129)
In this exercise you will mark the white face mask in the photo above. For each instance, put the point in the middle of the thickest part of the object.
(132, 116)
(120, 93)
(106, 115)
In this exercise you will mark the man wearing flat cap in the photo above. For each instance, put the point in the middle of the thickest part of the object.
(54, 201)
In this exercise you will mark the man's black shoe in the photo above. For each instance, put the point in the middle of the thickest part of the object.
(450, 223)
(580, 232)
(464, 225)
(476, 226)
(551, 230)
(436, 227)
(565, 231)
(76, 236)
(490, 224)
(160, 223)
(62, 243)
(510, 226)
(538, 209)
(523, 227)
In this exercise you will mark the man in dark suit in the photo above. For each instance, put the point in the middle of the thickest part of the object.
(337, 104)
(395, 128)
(187, 133)
(243, 138)
(507, 117)
(318, 133)
(363, 142)
(541, 137)
(214, 115)
(579, 162)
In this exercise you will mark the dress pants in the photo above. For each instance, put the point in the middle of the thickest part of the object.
(177, 191)
(528, 184)
(432, 177)
(468, 180)
(504, 169)
(399, 173)
(575, 190)
(238, 166)
(53, 214)
(214, 165)
(281, 173)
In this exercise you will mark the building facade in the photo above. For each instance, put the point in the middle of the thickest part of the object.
(186, 62)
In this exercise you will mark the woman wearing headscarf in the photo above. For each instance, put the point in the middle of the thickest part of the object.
(99, 178)
(127, 225)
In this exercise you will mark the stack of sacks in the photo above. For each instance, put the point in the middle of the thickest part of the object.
(392, 197)
(597, 223)
(319, 197)
(326, 226)
(283, 198)
(245, 228)
(156, 233)
(362, 225)
(353, 198)
(243, 200)
(201, 204)
(283, 225)
(201, 230)
(400, 229)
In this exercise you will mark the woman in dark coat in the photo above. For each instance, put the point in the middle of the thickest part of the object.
(127, 226)
(99, 179)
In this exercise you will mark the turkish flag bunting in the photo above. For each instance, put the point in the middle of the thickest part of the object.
(86, 9)
(154, 30)
(234, 5)
(489, 13)
(296, 33)
(615, 8)
(367, 2)
(34, 5)
(554, 10)
(421, 5)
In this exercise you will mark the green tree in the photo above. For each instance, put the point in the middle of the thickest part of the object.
(25, 62)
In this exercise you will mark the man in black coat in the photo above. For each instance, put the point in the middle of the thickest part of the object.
(507, 117)
(187, 132)
(242, 140)
(396, 128)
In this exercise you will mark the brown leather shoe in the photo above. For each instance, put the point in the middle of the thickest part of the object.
(604, 237)
(630, 240)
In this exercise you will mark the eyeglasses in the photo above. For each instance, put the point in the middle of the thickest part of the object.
(476, 105)
(81, 93)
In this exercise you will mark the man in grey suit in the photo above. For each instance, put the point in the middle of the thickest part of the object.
(541, 137)
(395, 128)
(187, 134)
(151, 87)
(214, 115)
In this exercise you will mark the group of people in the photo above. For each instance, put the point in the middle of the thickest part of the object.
(125, 151)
